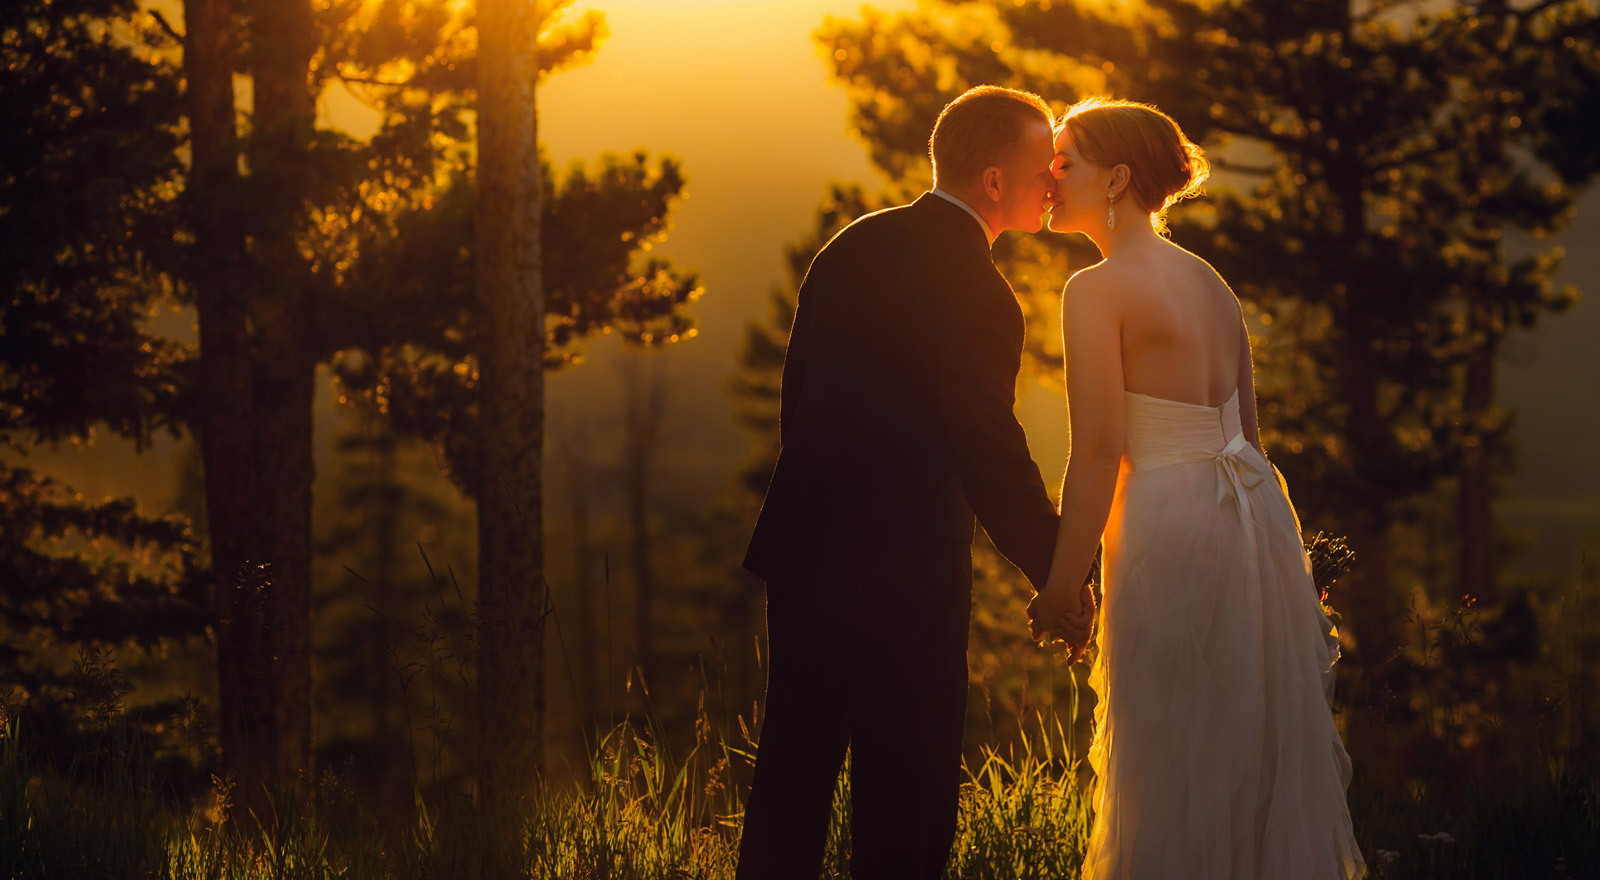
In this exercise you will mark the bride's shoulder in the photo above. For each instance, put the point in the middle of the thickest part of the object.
(1094, 296)
(1199, 265)
(1097, 277)
(1098, 283)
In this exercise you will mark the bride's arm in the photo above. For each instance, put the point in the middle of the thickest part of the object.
(1091, 334)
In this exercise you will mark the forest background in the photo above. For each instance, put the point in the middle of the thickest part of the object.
(657, 434)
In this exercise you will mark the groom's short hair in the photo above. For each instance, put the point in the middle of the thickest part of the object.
(981, 128)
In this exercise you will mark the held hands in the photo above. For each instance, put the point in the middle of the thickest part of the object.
(1052, 613)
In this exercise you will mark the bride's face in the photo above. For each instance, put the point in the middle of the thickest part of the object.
(1080, 198)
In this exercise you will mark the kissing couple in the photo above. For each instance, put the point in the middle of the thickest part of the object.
(1214, 749)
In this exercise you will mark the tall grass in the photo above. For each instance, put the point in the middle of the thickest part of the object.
(641, 814)
(637, 810)
(1024, 814)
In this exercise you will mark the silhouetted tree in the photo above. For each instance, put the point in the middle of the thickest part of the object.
(123, 187)
(88, 156)
(422, 360)
(644, 403)
(576, 461)
(284, 153)
(419, 359)
(512, 597)
(382, 623)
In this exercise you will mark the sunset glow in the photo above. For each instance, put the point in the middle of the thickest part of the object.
(576, 438)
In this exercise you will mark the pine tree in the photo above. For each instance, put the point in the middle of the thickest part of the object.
(317, 250)
(427, 368)
(87, 159)
(512, 595)
(392, 636)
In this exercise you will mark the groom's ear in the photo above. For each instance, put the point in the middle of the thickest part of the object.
(991, 183)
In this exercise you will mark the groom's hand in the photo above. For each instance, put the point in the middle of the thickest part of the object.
(1077, 630)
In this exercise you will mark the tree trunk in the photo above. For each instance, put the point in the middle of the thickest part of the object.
(284, 366)
(578, 480)
(227, 441)
(385, 506)
(1357, 388)
(511, 598)
(645, 392)
(1477, 572)
(1366, 588)
(1365, 600)
(1485, 332)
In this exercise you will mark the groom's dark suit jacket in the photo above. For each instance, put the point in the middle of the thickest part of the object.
(896, 419)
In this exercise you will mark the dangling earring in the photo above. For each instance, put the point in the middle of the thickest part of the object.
(1111, 211)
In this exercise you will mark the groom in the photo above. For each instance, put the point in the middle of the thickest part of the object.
(896, 427)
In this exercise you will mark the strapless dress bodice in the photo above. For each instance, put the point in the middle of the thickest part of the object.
(1162, 432)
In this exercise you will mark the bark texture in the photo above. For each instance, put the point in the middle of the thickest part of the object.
(257, 372)
(285, 371)
(1366, 588)
(645, 392)
(227, 442)
(511, 589)
(1477, 565)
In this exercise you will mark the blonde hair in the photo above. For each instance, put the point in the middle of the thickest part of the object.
(1164, 166)
(981, 128)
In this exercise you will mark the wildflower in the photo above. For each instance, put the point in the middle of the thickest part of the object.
(1442, 837)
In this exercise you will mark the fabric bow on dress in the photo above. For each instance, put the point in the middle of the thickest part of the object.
(1237, 472)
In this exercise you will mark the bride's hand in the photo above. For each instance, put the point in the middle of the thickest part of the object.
(1078, 631)
(1052, 604)
(1073, 626)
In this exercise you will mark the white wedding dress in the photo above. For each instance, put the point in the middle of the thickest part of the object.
(1215, 750)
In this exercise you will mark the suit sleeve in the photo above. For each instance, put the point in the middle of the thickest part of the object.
(976, 394)
(794, 359)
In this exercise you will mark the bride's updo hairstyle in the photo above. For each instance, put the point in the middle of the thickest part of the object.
(1163, 165)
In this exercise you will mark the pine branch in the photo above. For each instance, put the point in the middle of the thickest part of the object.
(369, 81)
(1407, 159)
(167, 26)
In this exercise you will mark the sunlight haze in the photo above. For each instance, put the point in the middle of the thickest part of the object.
(739, 93)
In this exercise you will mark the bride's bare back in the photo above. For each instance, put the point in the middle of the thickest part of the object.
(1182, 333)
(1181, 328)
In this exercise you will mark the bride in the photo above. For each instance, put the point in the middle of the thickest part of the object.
(1214, 747)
